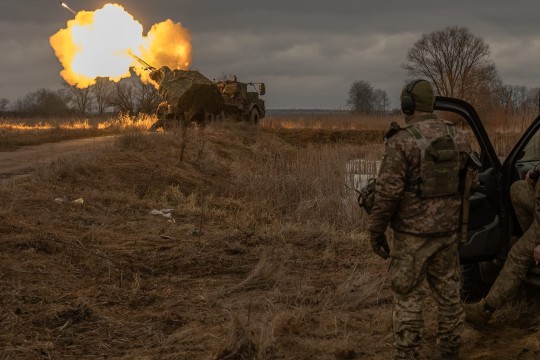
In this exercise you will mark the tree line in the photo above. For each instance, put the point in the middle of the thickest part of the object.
(128, 96)
(455, 61)
(458, 64)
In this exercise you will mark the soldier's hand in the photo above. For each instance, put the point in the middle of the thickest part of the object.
(528, 178)
(531, 177)
(379, 244)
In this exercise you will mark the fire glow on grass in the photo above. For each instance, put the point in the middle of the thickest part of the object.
(98, 44)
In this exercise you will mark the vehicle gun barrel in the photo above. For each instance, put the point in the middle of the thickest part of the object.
(146, 65)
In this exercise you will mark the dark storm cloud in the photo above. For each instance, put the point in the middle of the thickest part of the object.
(308, 52)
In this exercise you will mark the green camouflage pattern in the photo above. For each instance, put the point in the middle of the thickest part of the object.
(439, 167)
(415, 261)
(523, 196)
(425, 245)
(396, 200)
(526, 201)
(187, 92)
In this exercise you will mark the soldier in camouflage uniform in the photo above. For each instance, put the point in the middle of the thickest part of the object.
(525, 195)
(425, 245)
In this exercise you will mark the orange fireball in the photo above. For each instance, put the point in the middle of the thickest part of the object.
(99, 43)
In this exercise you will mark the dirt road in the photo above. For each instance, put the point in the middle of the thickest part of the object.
(25, 160)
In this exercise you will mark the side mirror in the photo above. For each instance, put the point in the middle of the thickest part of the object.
(262, 89)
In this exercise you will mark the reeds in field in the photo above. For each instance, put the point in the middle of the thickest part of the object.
(300, 184)
(20, 132)
(336, 121)
(504, 130)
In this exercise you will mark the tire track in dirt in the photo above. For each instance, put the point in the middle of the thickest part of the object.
(25, 160)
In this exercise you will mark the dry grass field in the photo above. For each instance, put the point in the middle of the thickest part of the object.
(20, 132)
(226, 242)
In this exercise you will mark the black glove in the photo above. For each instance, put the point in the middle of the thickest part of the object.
(379, 244)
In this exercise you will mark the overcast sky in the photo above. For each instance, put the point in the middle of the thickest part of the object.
(307, 52)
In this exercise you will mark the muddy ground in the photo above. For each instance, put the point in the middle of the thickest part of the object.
(88, 272)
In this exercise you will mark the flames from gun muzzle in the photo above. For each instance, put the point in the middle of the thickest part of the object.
(99, 43)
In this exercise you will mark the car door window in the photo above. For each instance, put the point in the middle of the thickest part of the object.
(531, 151)
(527, 154)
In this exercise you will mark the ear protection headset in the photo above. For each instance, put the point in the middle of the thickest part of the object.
(407, 102)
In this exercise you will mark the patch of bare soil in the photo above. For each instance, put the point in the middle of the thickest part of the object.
(88, 272)
(25, 160)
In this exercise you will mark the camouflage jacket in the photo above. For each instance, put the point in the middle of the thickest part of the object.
(395, 201)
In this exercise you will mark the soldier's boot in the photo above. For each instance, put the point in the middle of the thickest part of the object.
(478, 314)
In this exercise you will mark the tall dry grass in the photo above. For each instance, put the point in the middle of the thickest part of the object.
(266, 258)
(503, 129)
(339, 121)
(20, 132)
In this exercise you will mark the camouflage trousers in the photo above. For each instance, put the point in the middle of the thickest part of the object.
(415, 259)
(520, 258)
(523, 195)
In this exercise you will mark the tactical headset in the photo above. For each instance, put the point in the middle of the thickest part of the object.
(407, 102)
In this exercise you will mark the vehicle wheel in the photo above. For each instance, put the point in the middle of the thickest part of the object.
(254, 117)
(473, 289)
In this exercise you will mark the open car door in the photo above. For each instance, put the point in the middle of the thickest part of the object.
(487, 219)
(485, 248)
(492, 222)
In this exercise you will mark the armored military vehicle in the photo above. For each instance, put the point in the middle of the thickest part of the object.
(241, 103)
(188, 96)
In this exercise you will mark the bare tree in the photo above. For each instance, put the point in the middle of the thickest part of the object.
(517, 100)
(365, 99)
(455, 61)
(361, 97)
(3, 104)
(123, 97)
(147, 97)
(81, 99)
(102, 90)
(381, 100)
(42, 102)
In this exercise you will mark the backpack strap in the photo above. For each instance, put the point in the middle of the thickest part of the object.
(420, 140)
(414, 185)
(417, 135)
(450, 128)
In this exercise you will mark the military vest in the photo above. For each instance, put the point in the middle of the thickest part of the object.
(439, 163)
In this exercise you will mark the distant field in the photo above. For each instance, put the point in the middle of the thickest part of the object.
(313, 119)
(292, 125)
